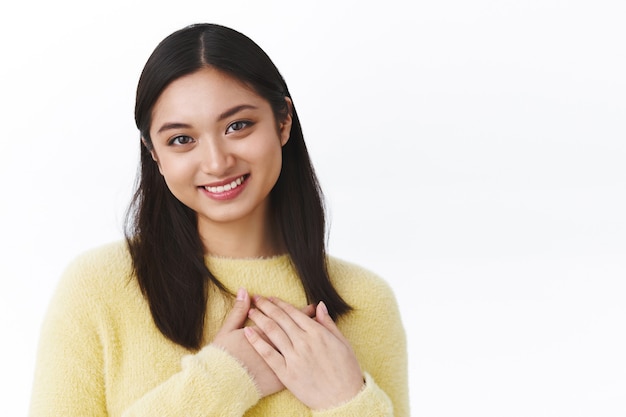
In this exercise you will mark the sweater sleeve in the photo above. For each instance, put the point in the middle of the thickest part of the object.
(69, 371)
(70, 376)
(371, 401)
(211, 383)
(377, 335)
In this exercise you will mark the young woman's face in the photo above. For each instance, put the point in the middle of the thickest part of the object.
(218, 146)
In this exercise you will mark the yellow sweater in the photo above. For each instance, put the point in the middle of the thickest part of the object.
(100, 353)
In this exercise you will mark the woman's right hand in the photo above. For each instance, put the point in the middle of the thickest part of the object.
(232, 339)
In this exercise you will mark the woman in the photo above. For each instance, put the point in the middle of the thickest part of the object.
(223, 300)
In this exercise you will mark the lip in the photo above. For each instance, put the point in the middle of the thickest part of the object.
(225, 194)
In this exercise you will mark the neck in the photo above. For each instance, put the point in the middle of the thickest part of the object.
(246, 238)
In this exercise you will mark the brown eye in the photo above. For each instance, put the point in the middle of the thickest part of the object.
(180, 140)
(235, 126)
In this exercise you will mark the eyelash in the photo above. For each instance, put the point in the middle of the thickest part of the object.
(176, 138)
(244, 123)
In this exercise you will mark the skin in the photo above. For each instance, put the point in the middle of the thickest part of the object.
(209, 129)
(309, 356)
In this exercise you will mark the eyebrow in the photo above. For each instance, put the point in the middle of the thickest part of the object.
(228, 113)
(169, 126)
(235, 110)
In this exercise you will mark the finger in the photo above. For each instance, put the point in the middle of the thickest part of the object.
(271, 356)
(273, 332)
(309, 310)
(299, 317)
(281, 312)
(323, 318)
(238, 315)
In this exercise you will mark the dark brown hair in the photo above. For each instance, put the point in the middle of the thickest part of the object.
(162, 233)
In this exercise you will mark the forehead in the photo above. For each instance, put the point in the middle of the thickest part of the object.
(207, 92)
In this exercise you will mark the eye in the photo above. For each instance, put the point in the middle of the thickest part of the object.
(180, 140)
(238, 125)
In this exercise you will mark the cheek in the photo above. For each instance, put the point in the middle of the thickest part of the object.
(174, 171)
(271, 158)
(263, 152)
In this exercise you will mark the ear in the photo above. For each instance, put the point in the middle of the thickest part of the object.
(284, 127)
(152, 153)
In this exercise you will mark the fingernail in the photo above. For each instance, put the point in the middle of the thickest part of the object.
(324, 309)
(241, 294)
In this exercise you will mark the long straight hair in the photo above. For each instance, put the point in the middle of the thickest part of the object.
(162, 233)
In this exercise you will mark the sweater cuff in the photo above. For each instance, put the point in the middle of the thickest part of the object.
(226, 374)
(370, 401)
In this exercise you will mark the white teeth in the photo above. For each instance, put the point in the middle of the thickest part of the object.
(227, 187)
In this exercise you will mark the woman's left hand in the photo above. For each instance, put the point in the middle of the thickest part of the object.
(311, 357)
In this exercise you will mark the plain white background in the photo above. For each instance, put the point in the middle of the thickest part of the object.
(472, 152)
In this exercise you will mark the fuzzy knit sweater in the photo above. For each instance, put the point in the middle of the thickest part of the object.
(100, 353)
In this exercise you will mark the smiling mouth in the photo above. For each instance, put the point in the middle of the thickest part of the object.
(227, 187)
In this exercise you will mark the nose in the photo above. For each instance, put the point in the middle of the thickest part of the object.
(217, 159)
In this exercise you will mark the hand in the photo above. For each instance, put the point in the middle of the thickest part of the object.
(310, 356)
(231, 339)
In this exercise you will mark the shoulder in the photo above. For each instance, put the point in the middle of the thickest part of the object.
(375, 311)
(358, 285)
(91, 287)
(109, 257)
(97, 272)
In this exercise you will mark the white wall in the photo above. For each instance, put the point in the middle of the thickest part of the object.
(473, 153)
